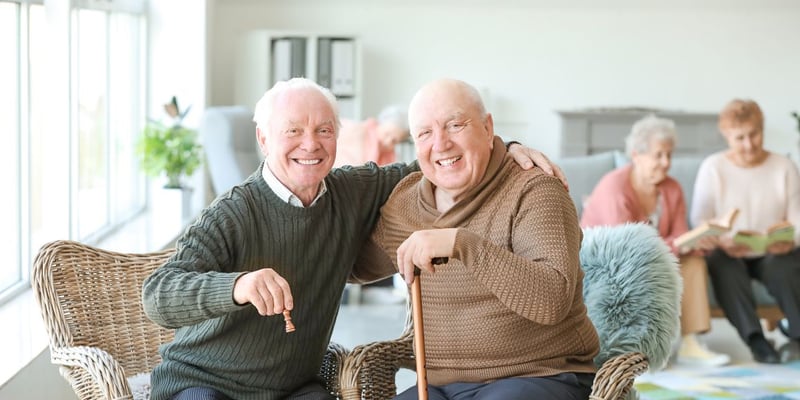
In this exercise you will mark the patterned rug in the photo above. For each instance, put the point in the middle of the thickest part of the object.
(750, 381)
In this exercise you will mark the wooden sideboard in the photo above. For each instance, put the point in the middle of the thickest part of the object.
(598, 130)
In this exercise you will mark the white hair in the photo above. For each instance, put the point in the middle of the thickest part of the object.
(646, 129)
(264, 107)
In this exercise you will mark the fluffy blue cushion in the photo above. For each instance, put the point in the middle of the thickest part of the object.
(632, 289)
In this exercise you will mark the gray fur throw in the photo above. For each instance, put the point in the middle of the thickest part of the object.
(632, 289)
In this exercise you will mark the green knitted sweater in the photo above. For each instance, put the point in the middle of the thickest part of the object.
(232, 348)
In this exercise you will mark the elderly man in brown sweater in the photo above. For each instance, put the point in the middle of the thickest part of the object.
(504, 317)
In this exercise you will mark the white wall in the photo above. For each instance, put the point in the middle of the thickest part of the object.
(535, 57)
(177, 67)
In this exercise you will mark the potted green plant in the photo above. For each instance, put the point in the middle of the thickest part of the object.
(171, 150)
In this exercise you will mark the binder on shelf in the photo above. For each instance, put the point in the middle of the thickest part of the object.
(324, 62)
(288, 58)
(342, 67)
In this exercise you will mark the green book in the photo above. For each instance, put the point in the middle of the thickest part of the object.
(758, 242)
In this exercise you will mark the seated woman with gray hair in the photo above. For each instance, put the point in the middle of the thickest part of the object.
(642, 191)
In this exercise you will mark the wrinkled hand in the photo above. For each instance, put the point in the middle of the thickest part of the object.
(422, 247)
(527, 158)
(780, 248)
(708, 243)
(732, 249)
(265, 289)
(692, 252)
(701, 247)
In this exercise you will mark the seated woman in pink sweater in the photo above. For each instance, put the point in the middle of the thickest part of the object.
(643, 192)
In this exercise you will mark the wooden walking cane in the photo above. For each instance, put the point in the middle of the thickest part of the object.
(419, 334)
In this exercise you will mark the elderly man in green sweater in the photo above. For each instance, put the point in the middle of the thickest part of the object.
(285, 239)
(504, 317)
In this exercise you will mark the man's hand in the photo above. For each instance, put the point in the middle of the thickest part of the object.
(527, 158)
(422, 247)
(265, 289)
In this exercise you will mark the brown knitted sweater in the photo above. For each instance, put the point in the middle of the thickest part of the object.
(509, 301)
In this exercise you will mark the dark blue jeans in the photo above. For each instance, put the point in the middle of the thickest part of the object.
(566, 386)
(312, 391)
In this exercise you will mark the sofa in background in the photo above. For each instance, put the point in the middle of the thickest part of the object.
(229, 140)
(583, 172)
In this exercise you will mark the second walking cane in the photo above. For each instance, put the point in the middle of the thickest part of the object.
(419, 332)
(419, 336)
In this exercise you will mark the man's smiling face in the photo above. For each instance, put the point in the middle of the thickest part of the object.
(300, 142)
(452, 135)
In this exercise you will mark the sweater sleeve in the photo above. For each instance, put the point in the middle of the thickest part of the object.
(373, 262)
(195, 284)
(704, 197)
(539, 278)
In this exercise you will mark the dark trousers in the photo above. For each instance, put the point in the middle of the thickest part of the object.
(312, 391)
(566, 386)
(731, 277)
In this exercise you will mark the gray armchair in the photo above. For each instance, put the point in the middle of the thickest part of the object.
(229, 139)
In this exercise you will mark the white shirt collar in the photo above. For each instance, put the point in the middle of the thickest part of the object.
(284, 193)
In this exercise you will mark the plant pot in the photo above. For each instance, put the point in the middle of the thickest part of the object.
(172, 207)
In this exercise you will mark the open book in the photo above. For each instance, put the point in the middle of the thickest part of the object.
(689, 240)
(759, 241)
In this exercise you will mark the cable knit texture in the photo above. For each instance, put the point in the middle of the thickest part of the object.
(509, 302)
(230, 347)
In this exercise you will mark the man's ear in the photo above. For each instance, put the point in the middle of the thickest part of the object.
(261, 138)
(488, 126)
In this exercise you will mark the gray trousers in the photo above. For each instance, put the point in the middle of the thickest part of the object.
(566, 386)
(731, 277)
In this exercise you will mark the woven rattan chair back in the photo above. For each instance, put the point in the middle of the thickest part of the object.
(90, 300)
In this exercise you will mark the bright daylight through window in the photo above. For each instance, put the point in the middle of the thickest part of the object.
(72, 94)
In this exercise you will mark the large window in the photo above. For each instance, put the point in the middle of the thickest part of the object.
(72, 85)
(11, 46)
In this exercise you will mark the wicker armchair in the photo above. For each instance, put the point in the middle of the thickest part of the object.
(632, 291)
(90, 300)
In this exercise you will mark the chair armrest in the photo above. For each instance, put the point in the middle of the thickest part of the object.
(614, 379)
(92, 372)
(369, 370)
(331, 369)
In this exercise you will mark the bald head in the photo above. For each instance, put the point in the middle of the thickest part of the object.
(440, 90)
